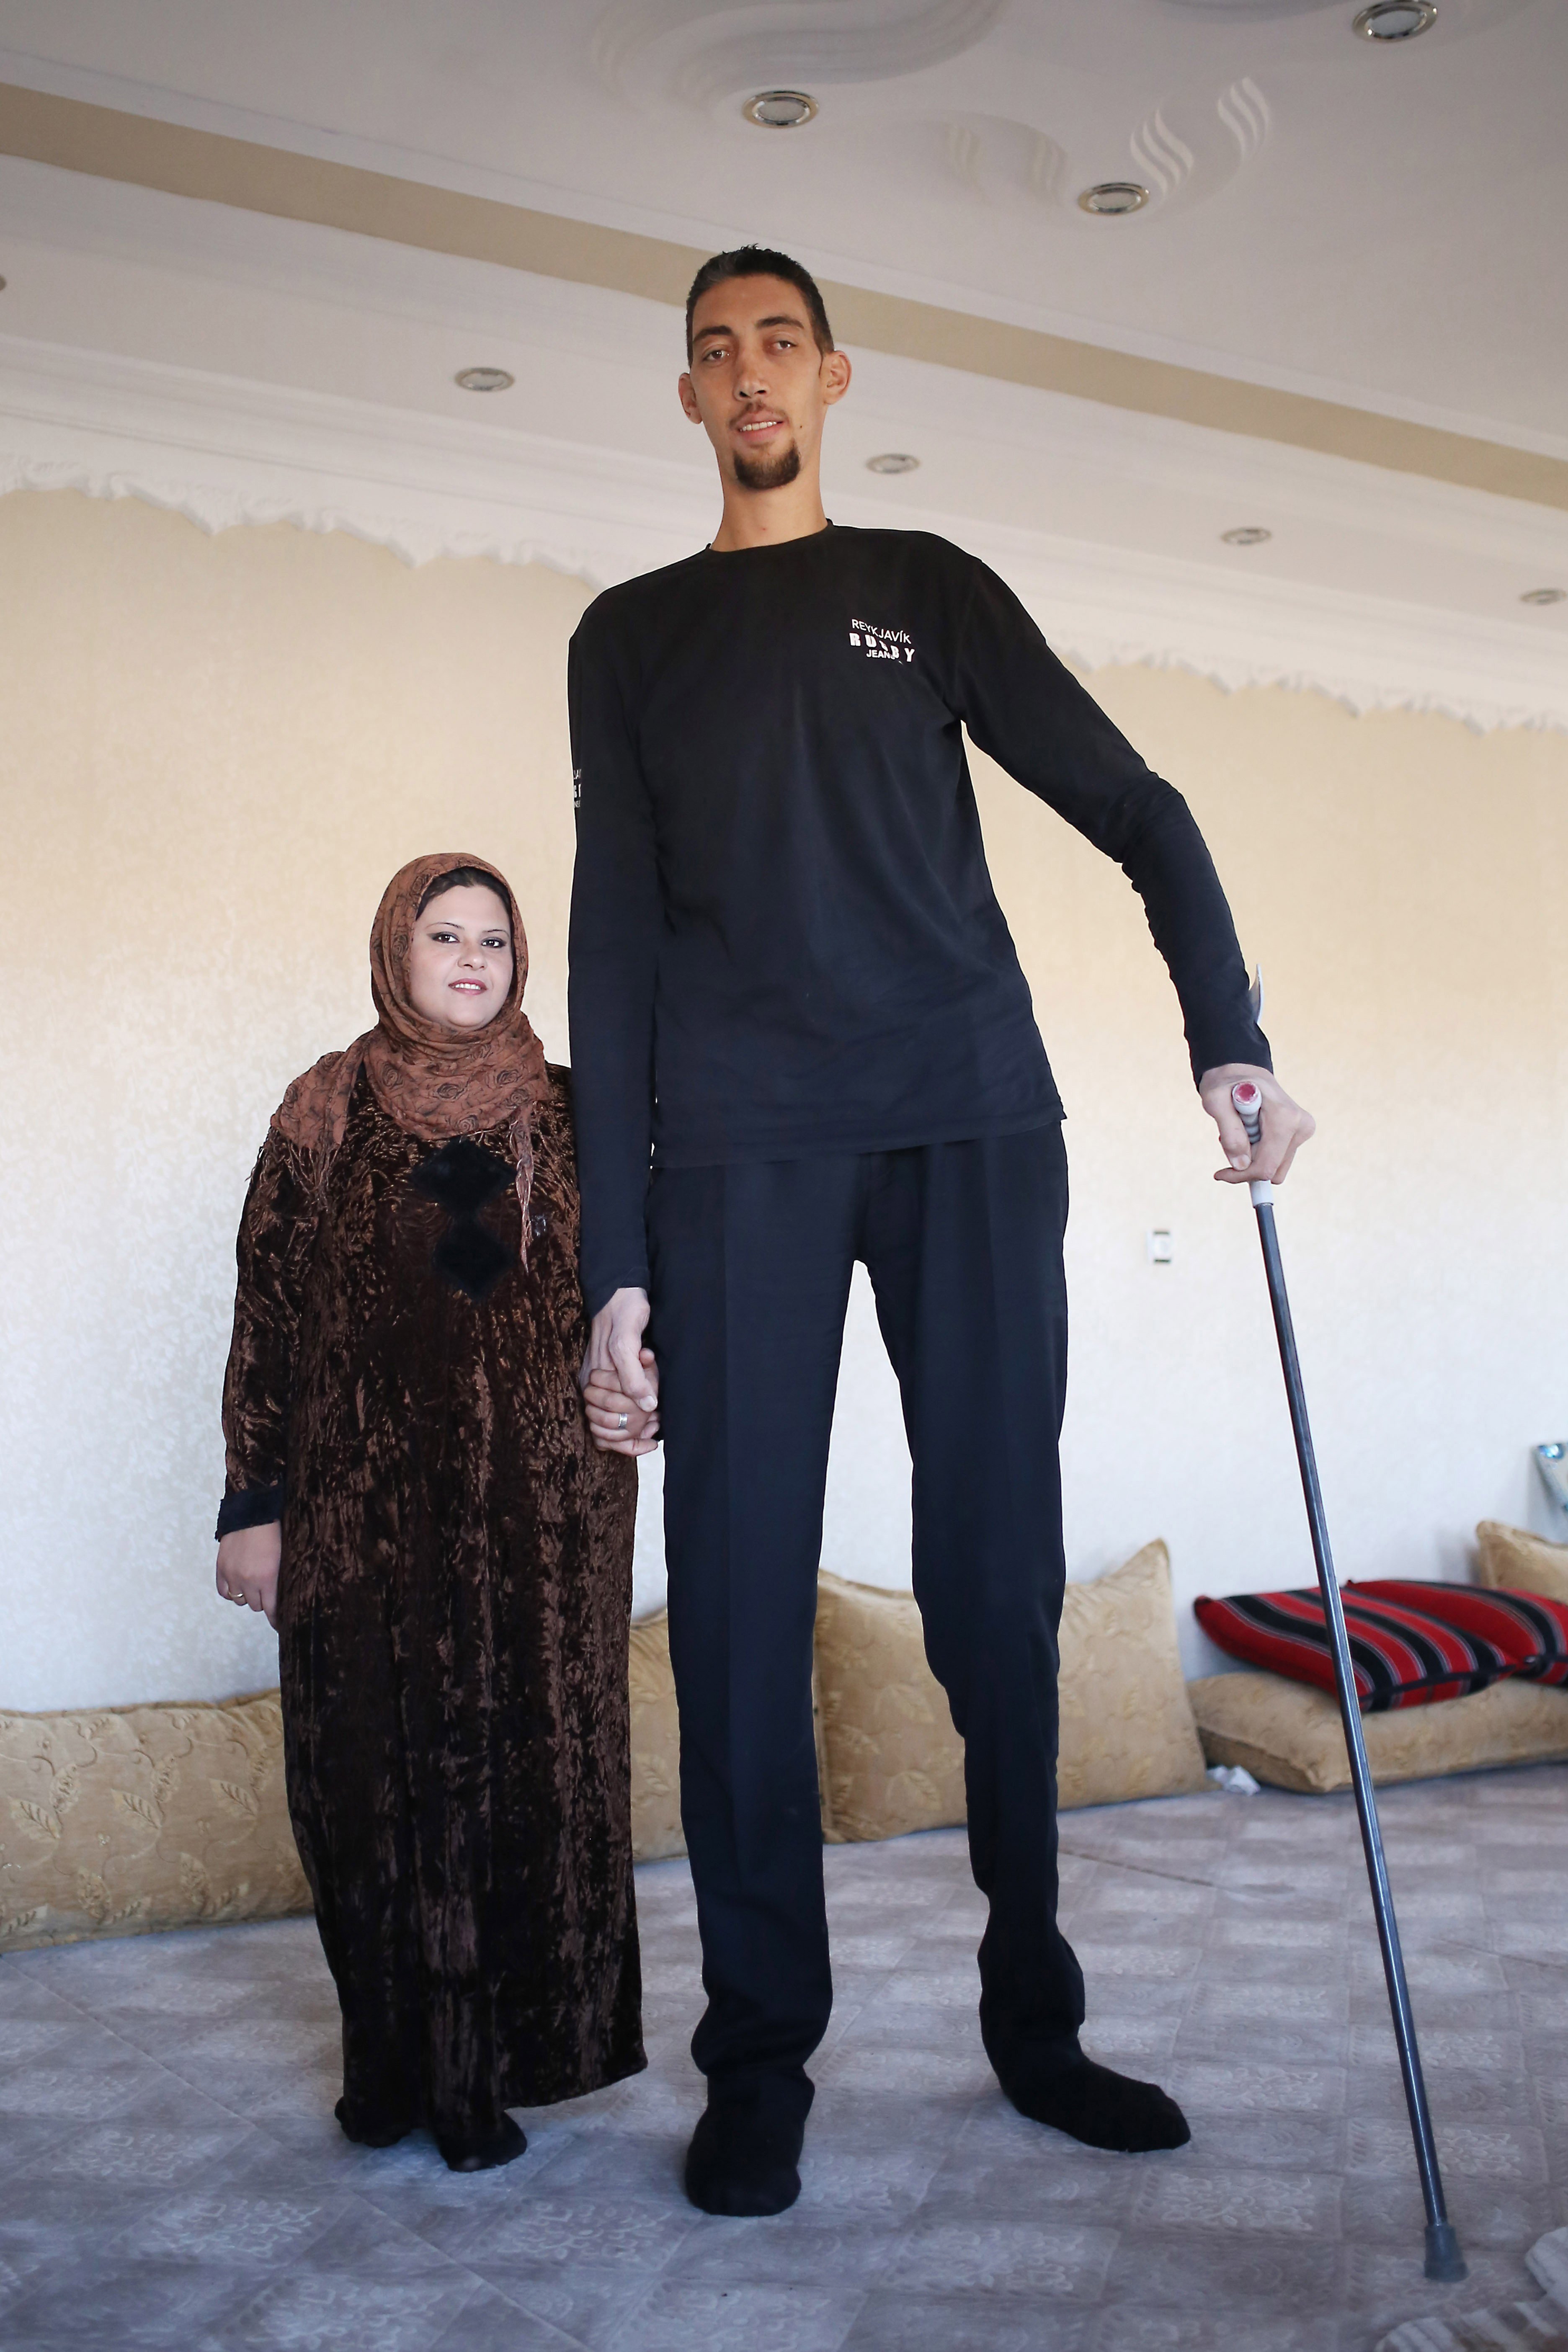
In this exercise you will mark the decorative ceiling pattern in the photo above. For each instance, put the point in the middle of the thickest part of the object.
(707, 51)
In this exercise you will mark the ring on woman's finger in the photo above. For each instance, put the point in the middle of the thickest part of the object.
(620, 1421)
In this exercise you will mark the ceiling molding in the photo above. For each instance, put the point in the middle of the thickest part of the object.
(225, 453)
(107, 142)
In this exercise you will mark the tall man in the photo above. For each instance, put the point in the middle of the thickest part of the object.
(800, 1036)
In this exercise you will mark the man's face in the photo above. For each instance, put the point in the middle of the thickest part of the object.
(757, 384)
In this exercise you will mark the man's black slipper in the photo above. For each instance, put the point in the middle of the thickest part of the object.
(744, 2157)
(1096, 2105)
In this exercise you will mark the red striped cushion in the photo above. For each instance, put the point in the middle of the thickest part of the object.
(1526, 1627)
(1402, 1655)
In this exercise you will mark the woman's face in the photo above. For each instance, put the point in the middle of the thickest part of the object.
(459, 964)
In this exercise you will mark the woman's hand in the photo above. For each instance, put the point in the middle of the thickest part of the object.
(248, 1562)
(619, 1426)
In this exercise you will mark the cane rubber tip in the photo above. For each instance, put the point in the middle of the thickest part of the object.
(1444, 2262)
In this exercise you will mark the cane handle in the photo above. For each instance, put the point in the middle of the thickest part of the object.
(1248, 1099)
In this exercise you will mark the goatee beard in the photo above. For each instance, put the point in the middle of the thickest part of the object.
(769, 473)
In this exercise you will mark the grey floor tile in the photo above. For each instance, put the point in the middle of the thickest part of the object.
(697, 2317)
(128, 2299)
(1131, 2327)
(1055, 2257)
(897, 2319)
(352, 2311)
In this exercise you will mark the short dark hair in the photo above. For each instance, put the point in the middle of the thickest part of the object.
(761, 261)
(459, 877)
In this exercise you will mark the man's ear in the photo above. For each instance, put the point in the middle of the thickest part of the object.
(834, 375)
(688, 397)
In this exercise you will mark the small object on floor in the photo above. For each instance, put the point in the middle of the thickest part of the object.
(1102, 2109)
(485, 2156)
(1234, 1779)
(366, 2132)
(744, 2158)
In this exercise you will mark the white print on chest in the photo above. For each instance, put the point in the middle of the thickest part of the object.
(881, 645)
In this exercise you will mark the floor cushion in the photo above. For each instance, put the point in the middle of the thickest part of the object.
(891, 1759)
(121, 1821)
(1290, 1735)
(1529, 1629)
(1518, 1561)
(656, 1745)
(1402, 1655)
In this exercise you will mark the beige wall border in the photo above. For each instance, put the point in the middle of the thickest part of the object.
(110, 144)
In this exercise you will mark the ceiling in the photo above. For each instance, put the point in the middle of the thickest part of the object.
(1381, 223)
(1338, 231)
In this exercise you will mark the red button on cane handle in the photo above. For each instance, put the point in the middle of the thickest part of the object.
(1248, 1101)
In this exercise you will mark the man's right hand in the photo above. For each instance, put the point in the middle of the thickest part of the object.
(615, 1346)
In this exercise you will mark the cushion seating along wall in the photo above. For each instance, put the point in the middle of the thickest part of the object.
(1514, 1559)
(1290, 1736)
(1403, 1657)
(126, 1820)
(656, 1745)
(1527, 1628)
(120, 1821)
(893, 1762)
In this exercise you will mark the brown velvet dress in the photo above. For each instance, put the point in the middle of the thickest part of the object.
(453, 1611)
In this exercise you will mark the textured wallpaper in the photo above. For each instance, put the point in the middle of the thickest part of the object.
(215, 751)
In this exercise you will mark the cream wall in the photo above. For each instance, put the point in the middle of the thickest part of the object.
(215, 751)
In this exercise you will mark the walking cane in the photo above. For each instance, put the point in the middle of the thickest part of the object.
(1443, 2260)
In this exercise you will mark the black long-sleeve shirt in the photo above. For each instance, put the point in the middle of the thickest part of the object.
(785, 939)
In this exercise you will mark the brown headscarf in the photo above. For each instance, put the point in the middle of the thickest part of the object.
(434, 1082)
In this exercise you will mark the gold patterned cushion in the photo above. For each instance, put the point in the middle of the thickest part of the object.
(125, 1819)
(1291, 1735)
(656, 1745)
(1127, 1726)
(1510, 1556)
(893, 1760)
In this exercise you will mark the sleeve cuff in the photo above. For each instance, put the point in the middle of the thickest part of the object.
(252, 1507)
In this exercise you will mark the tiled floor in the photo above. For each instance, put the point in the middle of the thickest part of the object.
(171, 2174)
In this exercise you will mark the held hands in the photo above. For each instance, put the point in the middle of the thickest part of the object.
(1286, 1126)
(619, 1378)
(248, 1563)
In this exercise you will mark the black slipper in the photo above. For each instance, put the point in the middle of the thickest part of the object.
(1096, 2105)
(744, 2157)
(483, 2155)
(366, 2134)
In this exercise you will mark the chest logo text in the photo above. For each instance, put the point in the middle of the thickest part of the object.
(881, 645)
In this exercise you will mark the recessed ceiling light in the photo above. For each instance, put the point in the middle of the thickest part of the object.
(892, 461)
(1109, 198)
(779, 110)
(485, 380)
(1397, 20)
(1247, 534)
(1544, 596)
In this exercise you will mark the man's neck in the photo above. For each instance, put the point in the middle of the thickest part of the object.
(767, 518)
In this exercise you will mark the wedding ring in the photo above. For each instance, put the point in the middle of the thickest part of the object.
(620, 1421)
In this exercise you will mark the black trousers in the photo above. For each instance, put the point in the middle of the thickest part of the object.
(750, 1272)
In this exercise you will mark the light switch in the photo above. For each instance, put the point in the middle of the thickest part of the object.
(1161, 1245)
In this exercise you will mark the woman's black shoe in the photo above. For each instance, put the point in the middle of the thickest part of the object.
(484, 2156)
(365, 2133)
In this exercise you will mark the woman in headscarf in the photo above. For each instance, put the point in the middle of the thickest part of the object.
(415, 1500)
